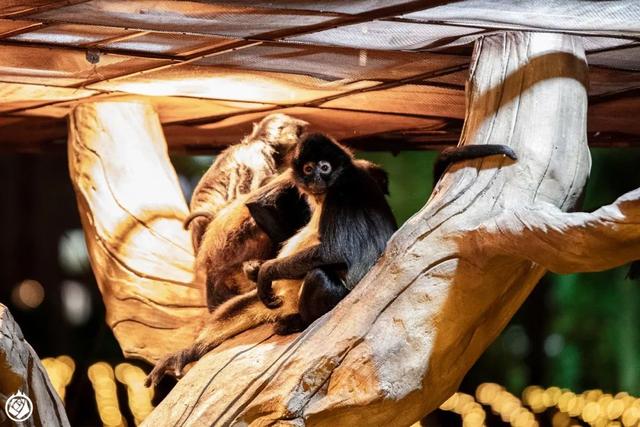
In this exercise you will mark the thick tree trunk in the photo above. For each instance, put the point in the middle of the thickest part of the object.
(402, 341)
(449, 282)
(131, 208)
(22, 371)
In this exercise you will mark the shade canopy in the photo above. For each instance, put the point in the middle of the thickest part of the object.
(376, 74)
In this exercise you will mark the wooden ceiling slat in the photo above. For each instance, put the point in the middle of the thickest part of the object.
(118, 38)
(180, 16)
(387, 35)
(624, 93)
(63, 67)
(351, 7)
(425, 101)
(19, 8)
(168, 63)
(83, 49)
(620, 59)
(395, 83)
(9, 28)
(604, 81)
(617, 114)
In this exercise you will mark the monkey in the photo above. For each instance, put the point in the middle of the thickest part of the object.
(348, 231)
(358, 222)
(233, 237)
(305, 287)
(242, 168)
(243, 231)
(344, 219)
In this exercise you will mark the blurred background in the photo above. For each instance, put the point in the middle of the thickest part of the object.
(577, 332)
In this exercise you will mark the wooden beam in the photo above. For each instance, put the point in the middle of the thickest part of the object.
(43, 135)
(118, 38)
(83, 48)
(26, 29)
(48, 5)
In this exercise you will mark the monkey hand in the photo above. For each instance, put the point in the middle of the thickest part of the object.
(172, 363)
(265, 290)
(251, 269)
(267, 296)
(272, 301)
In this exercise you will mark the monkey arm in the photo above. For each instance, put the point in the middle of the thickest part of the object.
(293, 266)
(278, 208)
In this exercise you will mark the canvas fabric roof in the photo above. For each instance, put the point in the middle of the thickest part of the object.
(376, 74)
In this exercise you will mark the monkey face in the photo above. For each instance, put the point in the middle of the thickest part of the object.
(317, 176)
(280, 129)
(318, 163)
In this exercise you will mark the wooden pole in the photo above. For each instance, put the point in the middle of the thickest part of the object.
(131, 208)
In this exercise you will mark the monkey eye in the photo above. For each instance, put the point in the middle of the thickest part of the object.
(308, 168)
(325, 167)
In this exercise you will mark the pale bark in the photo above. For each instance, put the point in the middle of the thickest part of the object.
(569, 242)
(131, 208)
(21, 370)
(402, 341)
(451, 278)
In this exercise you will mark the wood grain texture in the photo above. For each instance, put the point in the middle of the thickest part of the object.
(132, 208)
(450, 280)
(452, 276)
(21, 370)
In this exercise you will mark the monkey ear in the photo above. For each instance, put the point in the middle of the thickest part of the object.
(376, 172)
(278, 208)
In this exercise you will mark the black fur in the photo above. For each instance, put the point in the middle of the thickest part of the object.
(378, 174)
(236, 237)
(467, 152)
(355, 224)
(279, 209)
(634, 271)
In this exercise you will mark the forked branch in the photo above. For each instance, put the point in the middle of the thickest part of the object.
(400, 343)
(570, 242)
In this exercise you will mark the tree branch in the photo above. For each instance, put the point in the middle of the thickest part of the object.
(570, 242)
(22, 371)
(400, 343)
(131, 208)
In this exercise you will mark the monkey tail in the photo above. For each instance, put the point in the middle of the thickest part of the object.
(634, 271)
(467, 152)
(194, 215)
(232, 318)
